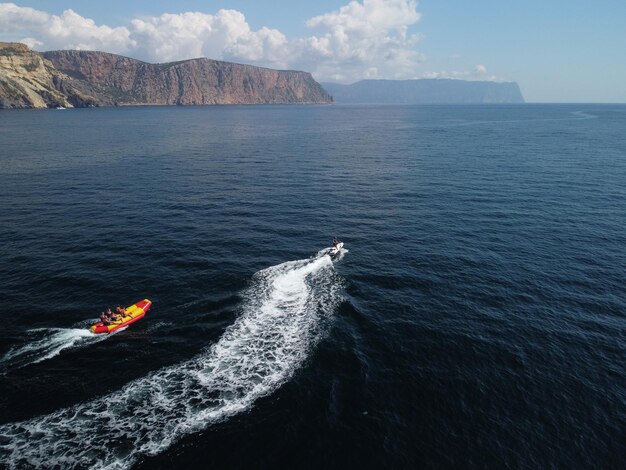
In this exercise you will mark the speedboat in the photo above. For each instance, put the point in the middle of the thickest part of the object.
(336, 248)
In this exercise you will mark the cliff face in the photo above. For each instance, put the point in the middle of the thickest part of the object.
(196, 81)
(83, 78)
(27, 80)
(425, 91)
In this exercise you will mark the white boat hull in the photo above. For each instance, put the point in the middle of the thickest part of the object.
(335, 249)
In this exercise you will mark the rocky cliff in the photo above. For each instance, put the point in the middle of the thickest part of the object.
(27, 80)
(425, 91)
(86, 78)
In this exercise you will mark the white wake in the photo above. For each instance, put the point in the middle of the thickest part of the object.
(46, 343)
(281, 321)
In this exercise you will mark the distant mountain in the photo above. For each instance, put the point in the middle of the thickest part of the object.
(84, 78)
(425, 91)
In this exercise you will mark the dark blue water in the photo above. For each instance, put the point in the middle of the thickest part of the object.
(476, 319)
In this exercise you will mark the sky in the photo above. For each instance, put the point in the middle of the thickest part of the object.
(556, 50)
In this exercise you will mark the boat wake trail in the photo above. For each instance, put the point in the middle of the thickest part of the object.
(46, 343)
(282, 319)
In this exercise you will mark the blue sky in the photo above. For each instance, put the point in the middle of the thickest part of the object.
(558, 51)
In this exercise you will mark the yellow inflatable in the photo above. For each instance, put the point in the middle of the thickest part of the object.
(133, 313)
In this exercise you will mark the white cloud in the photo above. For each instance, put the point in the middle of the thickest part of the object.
(479, 73)
(68, 30)
(31, 42)
(480, 69)
(14, 18)
(363, 36)
(193, 34)
(168, 37)
(363, 39)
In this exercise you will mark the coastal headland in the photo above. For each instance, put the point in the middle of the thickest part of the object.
(72, 78)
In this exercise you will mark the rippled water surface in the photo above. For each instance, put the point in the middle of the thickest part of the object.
(476, 319)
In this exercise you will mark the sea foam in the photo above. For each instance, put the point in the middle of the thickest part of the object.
(281, 321)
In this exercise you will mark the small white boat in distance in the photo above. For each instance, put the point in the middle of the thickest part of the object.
(335, 248)
(60, 107)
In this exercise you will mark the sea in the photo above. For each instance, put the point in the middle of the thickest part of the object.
(475, 318)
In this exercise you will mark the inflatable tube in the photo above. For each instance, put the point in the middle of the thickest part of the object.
(133, 313)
